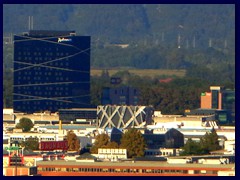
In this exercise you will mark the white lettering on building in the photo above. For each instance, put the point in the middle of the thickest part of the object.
(64, 40)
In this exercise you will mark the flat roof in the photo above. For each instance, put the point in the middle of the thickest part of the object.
(49, 33)
(68, 126)
(79, 109)
(133, 164)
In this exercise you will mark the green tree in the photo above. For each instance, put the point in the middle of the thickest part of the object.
(101, 141)
(112, 144)
(73, 141)
(25, 124)
(134, 142)
(191, 148)
(209, 142)
(30, 144)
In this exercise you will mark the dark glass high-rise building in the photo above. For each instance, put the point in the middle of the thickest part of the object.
(120, 96)
(51, 71)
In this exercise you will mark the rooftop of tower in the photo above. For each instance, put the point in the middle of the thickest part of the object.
(49, 33)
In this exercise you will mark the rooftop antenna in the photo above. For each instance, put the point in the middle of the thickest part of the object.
(30, 22)
(11, 37)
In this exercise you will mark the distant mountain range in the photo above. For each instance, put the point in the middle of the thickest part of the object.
(185, 25)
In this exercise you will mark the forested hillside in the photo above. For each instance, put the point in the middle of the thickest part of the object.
(197, 38)
(154, 33)
(126, 23)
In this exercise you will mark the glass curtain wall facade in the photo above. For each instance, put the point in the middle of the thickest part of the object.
(228, 100)
(215, 98)
(120, 96)
(51, 71)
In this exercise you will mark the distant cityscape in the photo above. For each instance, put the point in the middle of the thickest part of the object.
(52, 88)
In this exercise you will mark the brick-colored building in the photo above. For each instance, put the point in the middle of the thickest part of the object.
(213, 99)
(206, 100)
(20, 171)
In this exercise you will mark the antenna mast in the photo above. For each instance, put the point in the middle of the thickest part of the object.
(194, 42)
(30, 22)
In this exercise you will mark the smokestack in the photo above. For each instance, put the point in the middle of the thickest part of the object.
(60, 125)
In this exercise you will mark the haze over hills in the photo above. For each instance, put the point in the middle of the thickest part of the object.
(128, 23)
(156, 36)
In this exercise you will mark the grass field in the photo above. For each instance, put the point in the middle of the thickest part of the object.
(142, 72)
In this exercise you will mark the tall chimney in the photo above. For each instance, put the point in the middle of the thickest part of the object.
(60, 125)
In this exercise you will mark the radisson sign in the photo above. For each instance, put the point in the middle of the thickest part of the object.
(64, 40)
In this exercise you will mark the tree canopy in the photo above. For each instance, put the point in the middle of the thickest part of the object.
(73, 141)
(174, 97)
(209, 142)
(30, 144)
(134, 142)
(25, 124)
(102, 141)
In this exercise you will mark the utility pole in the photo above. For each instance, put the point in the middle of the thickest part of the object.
(187, 44)
(210, 43)
(179, 41)
(15, 165)
(194, 42)
(225, 44)
(162, 36)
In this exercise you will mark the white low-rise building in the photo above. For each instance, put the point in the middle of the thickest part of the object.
(112, 154)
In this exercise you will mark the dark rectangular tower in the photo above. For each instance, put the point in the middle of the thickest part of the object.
(120, 96)
(51, 71)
